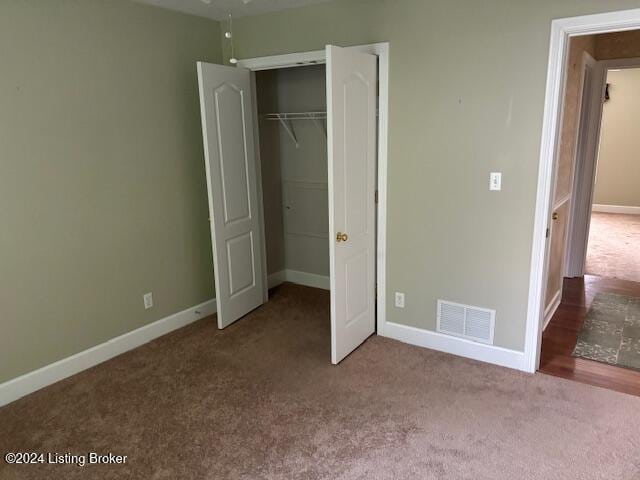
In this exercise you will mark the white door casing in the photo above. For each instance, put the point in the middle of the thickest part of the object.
(232, 182)
(351, 137)
(562, 29)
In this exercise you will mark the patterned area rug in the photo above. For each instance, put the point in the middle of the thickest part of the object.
(611, 332)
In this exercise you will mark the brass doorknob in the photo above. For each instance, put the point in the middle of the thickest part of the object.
(555, 215)
(342, 237)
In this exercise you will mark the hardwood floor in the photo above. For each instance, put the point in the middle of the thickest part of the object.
(559, 338)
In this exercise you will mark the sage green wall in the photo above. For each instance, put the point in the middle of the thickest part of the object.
(102, 186)
(294, 179)
(467, 92)
(270, 162)
(618, 177)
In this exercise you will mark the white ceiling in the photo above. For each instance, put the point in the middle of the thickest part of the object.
(220, 9)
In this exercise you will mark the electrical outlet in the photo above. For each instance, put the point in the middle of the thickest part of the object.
(148, 300)
(495, 181)
(399, 299)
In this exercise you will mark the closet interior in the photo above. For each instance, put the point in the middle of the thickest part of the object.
(291, 104)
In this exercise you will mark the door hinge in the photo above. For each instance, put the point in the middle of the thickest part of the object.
(376, 196)
(548, 232)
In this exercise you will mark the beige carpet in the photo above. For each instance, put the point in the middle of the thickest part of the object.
(260, 400)
(614, 246)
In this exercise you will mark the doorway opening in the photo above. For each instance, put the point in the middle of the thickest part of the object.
(590, 300)
(302, 172)
(613, 247)
(292, 108)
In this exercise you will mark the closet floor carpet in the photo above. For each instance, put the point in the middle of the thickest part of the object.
(260, 400)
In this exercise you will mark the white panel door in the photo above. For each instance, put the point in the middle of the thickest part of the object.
(232, 181)
(593, 91)
(351, 131)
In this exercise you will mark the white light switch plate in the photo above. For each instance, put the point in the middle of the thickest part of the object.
(495, 181)
(399, 300)
(148, 300)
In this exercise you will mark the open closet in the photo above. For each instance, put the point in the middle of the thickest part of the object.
(292, 112)
(291, 160)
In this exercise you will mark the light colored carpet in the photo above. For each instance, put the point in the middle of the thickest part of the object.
(614, 246)
(260, 400)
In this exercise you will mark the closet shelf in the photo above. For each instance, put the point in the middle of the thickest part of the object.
(296, 116)
(285, 119)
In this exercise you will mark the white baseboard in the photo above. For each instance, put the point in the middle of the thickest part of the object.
(308, 279)
(454, 345)
(301, 278)
(551, 309)
(616, 209)
(54, 372)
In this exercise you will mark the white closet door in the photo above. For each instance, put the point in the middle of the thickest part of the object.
(351, 129)
(232, 181)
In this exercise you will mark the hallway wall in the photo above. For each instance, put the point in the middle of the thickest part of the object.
(618, 173)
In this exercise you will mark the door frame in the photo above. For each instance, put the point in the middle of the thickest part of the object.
(585, 173)
(381, 50)
(561, 31)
